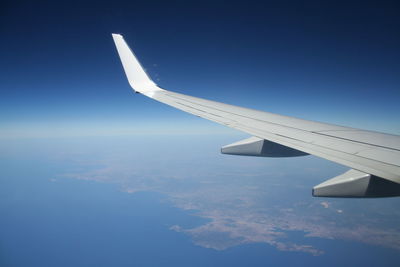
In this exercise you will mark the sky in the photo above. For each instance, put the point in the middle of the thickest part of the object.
(330, 61)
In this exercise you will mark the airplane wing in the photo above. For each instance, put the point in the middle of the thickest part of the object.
(374, 158)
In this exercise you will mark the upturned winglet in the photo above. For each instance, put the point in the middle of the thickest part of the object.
(137, 77)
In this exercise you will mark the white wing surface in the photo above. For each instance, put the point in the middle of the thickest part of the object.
(373, 157)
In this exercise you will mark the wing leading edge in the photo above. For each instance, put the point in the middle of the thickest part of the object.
(373, 156)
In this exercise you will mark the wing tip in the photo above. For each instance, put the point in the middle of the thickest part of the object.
(136, 74)
(117, 36)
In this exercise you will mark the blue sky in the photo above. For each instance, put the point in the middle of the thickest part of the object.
(335, 61)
